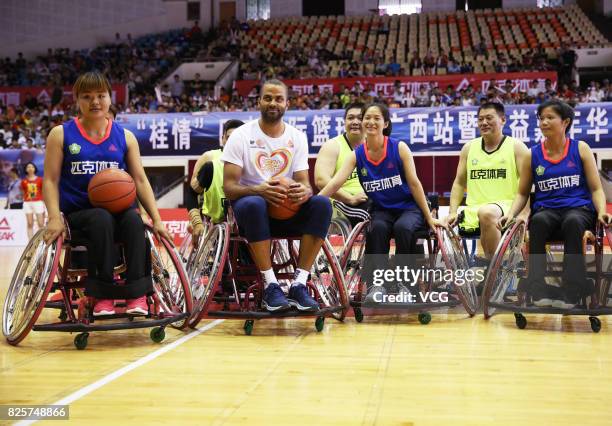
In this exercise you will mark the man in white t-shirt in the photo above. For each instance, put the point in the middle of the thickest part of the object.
(255, 156)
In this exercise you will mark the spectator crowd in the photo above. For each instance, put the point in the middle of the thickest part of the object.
(141, 64)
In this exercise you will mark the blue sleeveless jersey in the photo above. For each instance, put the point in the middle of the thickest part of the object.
(83, 158)
(561, 184)
(384, 181)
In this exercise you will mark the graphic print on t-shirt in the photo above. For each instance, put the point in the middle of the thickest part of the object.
(273, 164)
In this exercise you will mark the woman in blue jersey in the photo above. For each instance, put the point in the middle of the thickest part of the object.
(568, 201)
(77, 150)
(387, 173)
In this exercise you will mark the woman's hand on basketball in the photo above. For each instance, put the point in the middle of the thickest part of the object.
(604, 219)
(299, 193)
(160, 231)
(55, 228)
(273, 192)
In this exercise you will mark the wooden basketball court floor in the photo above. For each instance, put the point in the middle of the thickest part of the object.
(385, 371)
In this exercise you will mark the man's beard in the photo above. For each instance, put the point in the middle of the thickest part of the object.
(272, 118)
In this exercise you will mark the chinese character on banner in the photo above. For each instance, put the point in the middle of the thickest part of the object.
(537, 134)
(575, 125)
(321, 125)
(443, 131)
(182, 134)
(198, 123)
(396, 118)
(418, 128)
(159, 134)
(597, 119)
(339, 125)
(298, 122)
(519, 125)
(468, 124)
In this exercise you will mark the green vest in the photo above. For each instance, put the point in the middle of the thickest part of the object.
(491, 176)
(214, 196)
(352, 185)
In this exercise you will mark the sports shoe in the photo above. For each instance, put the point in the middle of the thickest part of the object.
(104, 307)
(542, 295)
(274, 299)
(569, 301)
(137, 306)
(300, 299)
(374, 291)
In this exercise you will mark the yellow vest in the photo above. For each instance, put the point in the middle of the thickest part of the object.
(491, 176)
(352, 185)
(214, 196)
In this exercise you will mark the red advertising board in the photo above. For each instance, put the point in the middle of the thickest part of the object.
(176, 221)
(520, 81)
(16, 95)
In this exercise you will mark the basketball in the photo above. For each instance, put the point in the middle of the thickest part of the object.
(287, 209)
(112, 189)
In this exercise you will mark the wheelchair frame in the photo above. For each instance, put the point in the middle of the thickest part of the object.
(510, 262)
(41, 269)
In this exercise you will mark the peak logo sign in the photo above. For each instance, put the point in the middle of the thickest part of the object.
(13, 228)
(6, 233)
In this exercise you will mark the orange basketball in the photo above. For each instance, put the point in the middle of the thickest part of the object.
(112, 189)
(288, 208)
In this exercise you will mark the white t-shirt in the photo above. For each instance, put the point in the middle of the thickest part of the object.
(262, 157)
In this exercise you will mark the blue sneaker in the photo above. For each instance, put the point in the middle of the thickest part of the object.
(274, 299)
(299, 298)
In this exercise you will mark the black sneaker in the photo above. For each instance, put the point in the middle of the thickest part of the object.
(274, 299)
(300, 299)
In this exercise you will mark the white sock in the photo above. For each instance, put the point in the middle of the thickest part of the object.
(269, 277)
(300, 277)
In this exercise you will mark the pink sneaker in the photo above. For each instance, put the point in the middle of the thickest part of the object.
(137, 306)
(104, 307)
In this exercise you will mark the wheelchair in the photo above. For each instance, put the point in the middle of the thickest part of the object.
(509, 268)
(440, 249)
(225, 283)
(61, 266)
(186, 250)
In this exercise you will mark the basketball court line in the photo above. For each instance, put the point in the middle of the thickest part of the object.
(86, 390)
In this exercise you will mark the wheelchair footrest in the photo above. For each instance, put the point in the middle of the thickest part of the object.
(551, 310)
(265, 314)
(406, 306)
(81, 327)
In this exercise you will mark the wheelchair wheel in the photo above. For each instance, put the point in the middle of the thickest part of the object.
(207, 269)
(30, 286)
(338, 234)
(170, 281)
(352, 258)
(328, 280)
(504, 271)
(454, 258)
(186, 247)
(187, 251)
(606, 278)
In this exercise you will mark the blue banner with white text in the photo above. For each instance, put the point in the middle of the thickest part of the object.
(440, 129)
